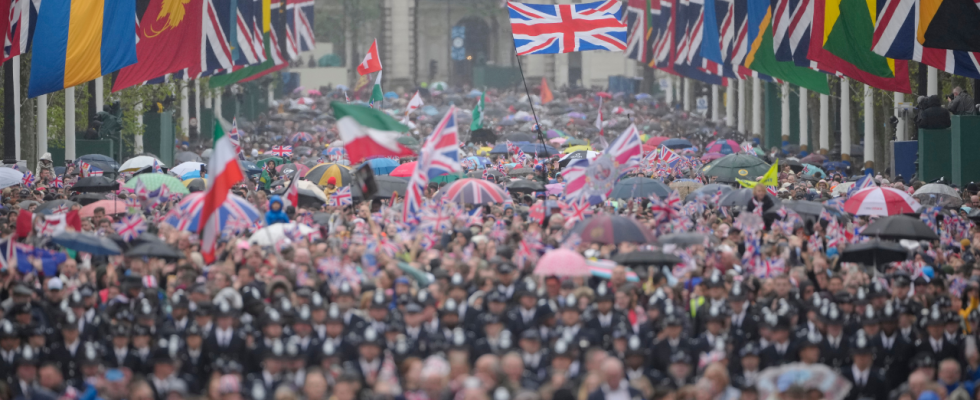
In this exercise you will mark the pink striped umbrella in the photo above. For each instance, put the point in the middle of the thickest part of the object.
(562, 262)
(473, 191)
(881, 201)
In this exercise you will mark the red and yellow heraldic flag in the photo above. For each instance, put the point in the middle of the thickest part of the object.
(169, 40)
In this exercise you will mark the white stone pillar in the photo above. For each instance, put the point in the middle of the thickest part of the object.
(730, 104)
(207, 99)
(42, 125)
(845, 119)
(714, 104)
(688, 94)
(271, 94)
(16, 64)
(804, 119)
(184, 109)
(932, 86)
(197, 104)
(138, 139)
(742, 88)
(900, 127)
(70, 123)
(756, 106)
(670, 91)
(824, 123)
(869, 127)
(99, 94)
(217, 107)
(784, 111)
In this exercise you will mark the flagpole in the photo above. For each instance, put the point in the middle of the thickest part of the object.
(534, 113)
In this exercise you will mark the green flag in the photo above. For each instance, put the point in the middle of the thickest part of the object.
(851, 34)
(478, 114)
(761, 58)
(377, 95)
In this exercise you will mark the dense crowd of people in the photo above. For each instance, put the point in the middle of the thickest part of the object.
(757, 304)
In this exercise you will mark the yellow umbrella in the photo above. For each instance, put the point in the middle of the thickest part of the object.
(321, 173)
(195, 184)
(572, 149)
(482, 151)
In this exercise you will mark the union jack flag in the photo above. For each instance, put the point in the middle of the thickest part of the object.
(895, 37)
(627, 149)
(28, 179)
(863, 183)
(636, 21)
(282, 151)
(130, 227)
(668, 156)
(439, 156)
(59, 182)
(236, 138)
(342, 197)
(575, 211)
(791, 24)
(566, 28)
(156, 167)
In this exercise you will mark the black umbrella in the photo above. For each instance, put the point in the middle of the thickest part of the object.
(519, 137)
(87, 198)
(742, 197)
(186, 156)
(526, 186)
(483, 136)
(804, 207)
(322, 218)
(874, 252)
(735, 166)
(794, 165)
(155, 250)
(707, 191)
(49, 207)
(520, 172)
(95, 184)
(687, 239)
(389, 185)
(642, 258)
(95, 245)
(639, 187)
(612, 229)
(900, 227)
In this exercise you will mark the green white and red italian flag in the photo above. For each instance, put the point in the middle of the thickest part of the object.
(225, 172)
(368, 133)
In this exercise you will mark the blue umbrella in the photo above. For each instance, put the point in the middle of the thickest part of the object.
(531, 148)
(430, 110)
(676, 143)
(382, 166)
(250, 168)
(478, 162)
(391, 95)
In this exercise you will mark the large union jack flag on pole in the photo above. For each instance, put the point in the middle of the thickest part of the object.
(566, 28)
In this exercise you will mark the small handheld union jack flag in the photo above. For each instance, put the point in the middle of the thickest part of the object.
(342, 197)
(28, 179)
(282, 151)
(59, 182)
(156, 167)
(130, 227)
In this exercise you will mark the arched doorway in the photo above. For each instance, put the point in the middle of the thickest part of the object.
(474, 36)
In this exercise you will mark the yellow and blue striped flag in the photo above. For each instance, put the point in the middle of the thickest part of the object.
(80, 40)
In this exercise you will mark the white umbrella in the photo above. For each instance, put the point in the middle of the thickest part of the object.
(270, 235)
(186, 167)
(842, 188)
(10, 177)
(138, 163)
(314, 188)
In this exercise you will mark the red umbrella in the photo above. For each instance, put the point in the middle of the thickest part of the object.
(604, 95)
(473, 191)
(881, 201)
(708, 157)
(655, 141)
(405, 170)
